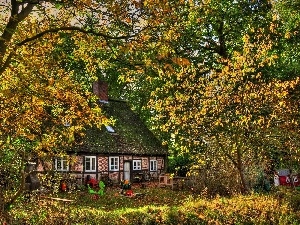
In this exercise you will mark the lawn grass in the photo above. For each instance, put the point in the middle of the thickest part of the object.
(112, 199)
(157, 206)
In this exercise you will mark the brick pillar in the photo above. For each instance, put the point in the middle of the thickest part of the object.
(100, 88)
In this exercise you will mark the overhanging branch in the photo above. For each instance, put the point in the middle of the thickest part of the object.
(55, 30)
(73, 28)
(6, 63)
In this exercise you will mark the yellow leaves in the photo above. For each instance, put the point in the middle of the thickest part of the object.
(148, 62)
(191, 2)
(171, 35)
(273, 27)
(128, 20)
(287, 35)
(31, 137)
(38, 97)
(181, 61)
(282, 104)
(37, 101)
(169, 67)
(51, 81)
(145, 37)
(126, 78)
(164, 51)
(218, 122)
(253, 95)
(246, 39)
(244, 120)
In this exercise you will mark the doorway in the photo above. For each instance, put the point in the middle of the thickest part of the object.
(127, 174)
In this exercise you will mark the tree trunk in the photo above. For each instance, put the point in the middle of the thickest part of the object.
(240, 167)
(6, 202)
(4, 215)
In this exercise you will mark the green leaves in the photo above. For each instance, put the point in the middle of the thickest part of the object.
(58, 5)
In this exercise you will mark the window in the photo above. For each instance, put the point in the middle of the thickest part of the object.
(153, 165)
(137, 164)
(61, 164)
(90, 164)
(114, 163)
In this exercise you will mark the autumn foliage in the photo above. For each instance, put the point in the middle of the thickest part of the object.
(218, 81)
(213, 92)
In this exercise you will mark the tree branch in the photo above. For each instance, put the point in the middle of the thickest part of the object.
(73, 28)
(10, 28)
(21, 185)
(13, 22)
(6, 63)
(54, 30)
(25, 12)
(225, 152)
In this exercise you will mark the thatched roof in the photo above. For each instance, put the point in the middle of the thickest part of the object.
(130, 135)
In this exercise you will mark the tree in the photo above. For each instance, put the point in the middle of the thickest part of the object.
(43, 102)
(208, 72)
(287, 16)
(188, 34)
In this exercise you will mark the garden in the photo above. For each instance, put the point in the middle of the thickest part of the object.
(152, 205)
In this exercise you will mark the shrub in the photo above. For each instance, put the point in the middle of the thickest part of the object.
(179, 165)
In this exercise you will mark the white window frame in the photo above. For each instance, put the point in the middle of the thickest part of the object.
(137, 164)
(89, 159)
(153, 165)
(114, 163)
(64, 164)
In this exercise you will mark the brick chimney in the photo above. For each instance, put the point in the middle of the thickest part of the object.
(100, 88)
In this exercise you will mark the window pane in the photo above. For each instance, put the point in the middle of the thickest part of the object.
(111, 160)
(90, 163)
(137, 164)
(114, 163)
(58, 164)
(153, 165)
(64, 164)
(134, 165)
(93, 163)
(87, 163)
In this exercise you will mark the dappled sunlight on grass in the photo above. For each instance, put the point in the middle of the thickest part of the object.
(158, 206)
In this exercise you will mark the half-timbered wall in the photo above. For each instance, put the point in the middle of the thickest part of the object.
(121, 163)
(77, 166)
(102, 163)
(145, 163)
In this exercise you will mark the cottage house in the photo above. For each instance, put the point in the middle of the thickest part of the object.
(124, 151)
